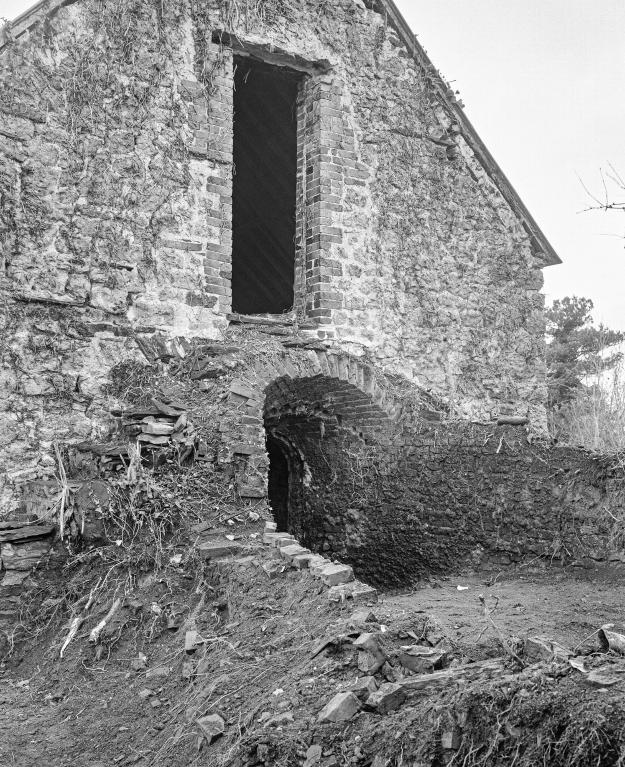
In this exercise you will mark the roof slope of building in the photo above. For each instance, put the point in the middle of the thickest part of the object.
(541, 245)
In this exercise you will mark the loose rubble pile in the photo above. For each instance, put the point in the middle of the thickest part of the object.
(22, 545)
(247, 650)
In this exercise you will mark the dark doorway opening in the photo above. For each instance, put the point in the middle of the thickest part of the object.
(264, 187)
(278, 483)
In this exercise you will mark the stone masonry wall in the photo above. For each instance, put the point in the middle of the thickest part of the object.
(115, 213)
(452, 498)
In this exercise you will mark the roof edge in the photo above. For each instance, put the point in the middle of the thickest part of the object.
(539, 241)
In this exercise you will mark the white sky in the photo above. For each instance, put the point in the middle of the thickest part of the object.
(543, 83)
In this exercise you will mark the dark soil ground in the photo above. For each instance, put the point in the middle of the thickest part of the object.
(104, 706)
(568, 606)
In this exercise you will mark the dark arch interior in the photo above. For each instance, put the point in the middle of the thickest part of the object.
(264, 187)
(278, 486)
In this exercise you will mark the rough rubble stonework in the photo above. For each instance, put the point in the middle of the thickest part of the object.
(115, 213)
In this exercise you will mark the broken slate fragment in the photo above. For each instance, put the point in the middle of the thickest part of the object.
(342, 707)
(191, 641)
(451, 739)
(363, 616)
(363, 687)
(371, 657)
(145, 693)
(158, 671)
(278, 720)
(355, 590)
(313, 756)
(606, 676)
(421, 659)
(541, 648)
(139, 663)
(388, 698)
(211, 726)
(611, 640)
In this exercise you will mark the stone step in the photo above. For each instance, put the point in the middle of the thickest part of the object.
(218, 548)
(335, 575)
(291, 551)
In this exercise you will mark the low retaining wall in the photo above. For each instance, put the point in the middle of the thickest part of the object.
(452, 497)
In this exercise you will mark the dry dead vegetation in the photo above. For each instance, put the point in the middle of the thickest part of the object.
(138, 650)
(161, 658)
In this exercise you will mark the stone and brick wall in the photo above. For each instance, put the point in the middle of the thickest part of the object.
(450, 498)
(115, 212)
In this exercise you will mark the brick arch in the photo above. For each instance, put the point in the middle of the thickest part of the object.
(325, 398)
(320, 383)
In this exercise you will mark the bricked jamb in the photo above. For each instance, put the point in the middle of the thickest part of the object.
(214, 143)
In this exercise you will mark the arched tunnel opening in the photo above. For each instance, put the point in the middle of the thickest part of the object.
(325, 439)
(278, 482)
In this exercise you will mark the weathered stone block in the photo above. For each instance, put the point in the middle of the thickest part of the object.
(342, 707)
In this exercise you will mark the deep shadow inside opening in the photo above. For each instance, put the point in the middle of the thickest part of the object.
(278, 483)
(264, 187)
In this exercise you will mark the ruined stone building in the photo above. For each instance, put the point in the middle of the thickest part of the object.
(177, 172)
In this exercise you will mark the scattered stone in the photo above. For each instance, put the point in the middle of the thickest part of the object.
(540, 648)
(301, 561)
(284, 539)
(487, 669)
(286, 717)
(23, 556)
(217, 548)
(241, 389)
(212, 727)
(273, 568)
(578, 664)
(155, 703)
(611, 640)
(13, 583)
(191, 641)
(202, 527)
(334, 575)
(606, 676)
(313, 756)
(387, 698)
(363, 616)
(293, 550)
(371, 657)
(451, 739)
(421, 659)
(158, 429)
(157, 672)
(356, 591)
(342, 707)
(175, 620)
(24, 533)
(333, 641)
(145, 693)
(139, 663)
(363, 687)
(188, 668)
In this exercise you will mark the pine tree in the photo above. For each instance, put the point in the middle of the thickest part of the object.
(576, 348)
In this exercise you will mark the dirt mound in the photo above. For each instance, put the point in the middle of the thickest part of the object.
(245, 661)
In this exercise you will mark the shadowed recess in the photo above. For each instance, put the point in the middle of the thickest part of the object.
(264, 186)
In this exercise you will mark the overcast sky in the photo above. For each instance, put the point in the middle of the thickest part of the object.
(543, 83)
